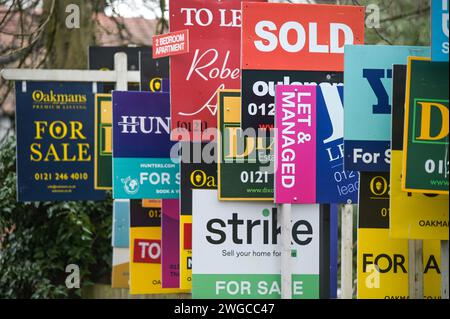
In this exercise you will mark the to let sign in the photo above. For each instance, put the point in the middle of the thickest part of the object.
(295, 176)
(425, 166)
(213, 63)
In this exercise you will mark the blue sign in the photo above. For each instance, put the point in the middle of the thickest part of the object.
(334, 183)
(121, 224)
(439, 30)
(55, 142)
(142, 166)
(368, 103)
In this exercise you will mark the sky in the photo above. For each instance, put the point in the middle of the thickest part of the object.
(137, 8)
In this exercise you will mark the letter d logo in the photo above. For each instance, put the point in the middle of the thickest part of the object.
(429, 121)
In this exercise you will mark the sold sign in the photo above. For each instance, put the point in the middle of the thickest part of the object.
(296, 144)
(299, 37)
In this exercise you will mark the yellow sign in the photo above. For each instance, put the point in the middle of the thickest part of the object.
(103, 142)
(383, 266)
(120, 268)
(414, 215)
(145, 251)
(186, 252)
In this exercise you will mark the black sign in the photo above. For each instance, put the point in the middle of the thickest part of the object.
(154, 73)
(145, 213)
(258, 92)
(195, 173)
(374, 190)
(398, 106)
(102, 58)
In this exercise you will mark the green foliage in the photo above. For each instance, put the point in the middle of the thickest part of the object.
(38, 240)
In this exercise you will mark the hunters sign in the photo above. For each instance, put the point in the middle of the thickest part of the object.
(426, 158)
(142, 165)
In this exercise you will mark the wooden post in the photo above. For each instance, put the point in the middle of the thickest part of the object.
(286, 230)
(415, 269)
(121, 69)
(347, 252)
(444, 269)
(73, 75)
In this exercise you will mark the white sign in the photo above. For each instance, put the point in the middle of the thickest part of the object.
(236, 249)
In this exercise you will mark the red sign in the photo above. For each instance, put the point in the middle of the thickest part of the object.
(147, 251)
(169, 44)
(187, 236)
(213, 63)
(304, 37)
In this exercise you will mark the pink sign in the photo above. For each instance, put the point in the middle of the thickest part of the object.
(170, 249)
(295, 176)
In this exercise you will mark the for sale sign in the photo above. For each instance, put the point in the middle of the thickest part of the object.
(382, 262)
(246, 162)
(368, 103)
(426, 158)
(237, 249)
(141, 147)
(412, 215)
(295, 178)
(55, 142)
(213, 62)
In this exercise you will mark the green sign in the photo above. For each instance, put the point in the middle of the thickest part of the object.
(245, 168)
(425, 164)
(103, 141)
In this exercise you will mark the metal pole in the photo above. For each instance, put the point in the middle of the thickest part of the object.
(286, 271)
(347, 252)
(444, 269)
(415, 272)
